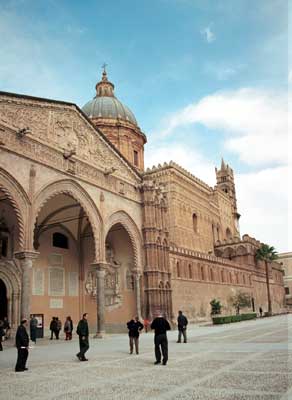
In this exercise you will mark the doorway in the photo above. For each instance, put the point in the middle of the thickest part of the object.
(3, 300)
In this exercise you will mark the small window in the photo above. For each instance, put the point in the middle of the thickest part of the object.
(190, 272)
(287, 290)
(3, 246)
(195, 223)
(178, 270)
(136, 159)
(202, 274)
(60, 240)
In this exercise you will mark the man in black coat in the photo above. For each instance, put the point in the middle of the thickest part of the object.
(22, 342)
(83, 333)
(135, 327)
(182, 327)
(33, 324)
(160, 325)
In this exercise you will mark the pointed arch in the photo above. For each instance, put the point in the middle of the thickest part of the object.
(75, 190)
(121, 217)
(20, 202)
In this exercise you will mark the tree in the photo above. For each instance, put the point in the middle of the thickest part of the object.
(240, 300)
(215, 307)
(267, 254)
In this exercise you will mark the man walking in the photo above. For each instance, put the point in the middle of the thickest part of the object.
(135, 327)
(160, 326)
(83, 333)
(33, 324)
(182, 327)
(22, 342)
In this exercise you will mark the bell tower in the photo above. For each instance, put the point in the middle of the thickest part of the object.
(225, 182)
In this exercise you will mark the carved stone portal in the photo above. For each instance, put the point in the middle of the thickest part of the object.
(112, 284)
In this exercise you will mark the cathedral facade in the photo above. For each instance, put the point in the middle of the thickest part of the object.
(84, 228)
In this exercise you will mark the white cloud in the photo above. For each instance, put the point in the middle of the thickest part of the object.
(207, 34)
(254, 123)
(185, 156)
(263, 202)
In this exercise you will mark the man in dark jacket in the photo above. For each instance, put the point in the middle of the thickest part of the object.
(53, 327)
(22, 342)
(160, 325)
(83, 333)
(135, 327)
(33, 324)
(182, 327)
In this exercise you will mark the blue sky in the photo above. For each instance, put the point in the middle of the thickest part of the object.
(205, 79)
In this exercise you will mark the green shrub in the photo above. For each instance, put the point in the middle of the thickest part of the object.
(227, 319)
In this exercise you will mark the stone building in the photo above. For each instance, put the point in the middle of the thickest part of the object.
(84, 228)
(286, 260)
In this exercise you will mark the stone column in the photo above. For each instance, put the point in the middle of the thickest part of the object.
(26, 260)
(137, 275)
(100, 298)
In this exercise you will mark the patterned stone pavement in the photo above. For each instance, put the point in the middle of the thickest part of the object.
(249, 360)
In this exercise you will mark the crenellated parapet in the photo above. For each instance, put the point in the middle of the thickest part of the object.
(167, 167)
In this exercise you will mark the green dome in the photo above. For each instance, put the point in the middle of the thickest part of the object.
(108, 107)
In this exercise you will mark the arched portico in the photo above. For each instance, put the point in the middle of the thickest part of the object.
(73, 189)
(10, 275)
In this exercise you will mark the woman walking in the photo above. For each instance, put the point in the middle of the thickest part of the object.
(68, 328)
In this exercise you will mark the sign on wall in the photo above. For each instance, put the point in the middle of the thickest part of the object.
(38, 282)
(56, 303)
(56, 281)
(73, 284)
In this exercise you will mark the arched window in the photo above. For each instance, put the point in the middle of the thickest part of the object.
(202, 273)
(222, 276)
(195, 223)
(190, 271)
(60, 240)
(244, 280)
(228, 233)
(178, 270)
(230, 277)
(212, 274)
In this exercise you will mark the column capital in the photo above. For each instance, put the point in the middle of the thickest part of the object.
(137, 272)
(26, 254)
(99, 266)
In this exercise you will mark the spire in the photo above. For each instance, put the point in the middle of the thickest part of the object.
(104, 88)
(223, 166)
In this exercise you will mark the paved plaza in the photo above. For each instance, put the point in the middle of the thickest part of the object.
(248, 360)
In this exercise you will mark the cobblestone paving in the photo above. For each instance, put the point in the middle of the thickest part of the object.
(249, 360)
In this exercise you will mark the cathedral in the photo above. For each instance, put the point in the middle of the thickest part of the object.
(85, 228)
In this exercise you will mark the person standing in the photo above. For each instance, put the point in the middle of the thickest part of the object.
(261, 311)
(135, 327)
(83, 333)
(58, 327)
(6, 327)
(182, 327)
(22, 342)
(33, 324)
(2, 334)
(160, 326)
(53, 327)
(68, 328)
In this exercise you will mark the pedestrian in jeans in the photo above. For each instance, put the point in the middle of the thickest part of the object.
(182, 327)
(68, 328)
(135, 327)
(160, 325)
(83, 333)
